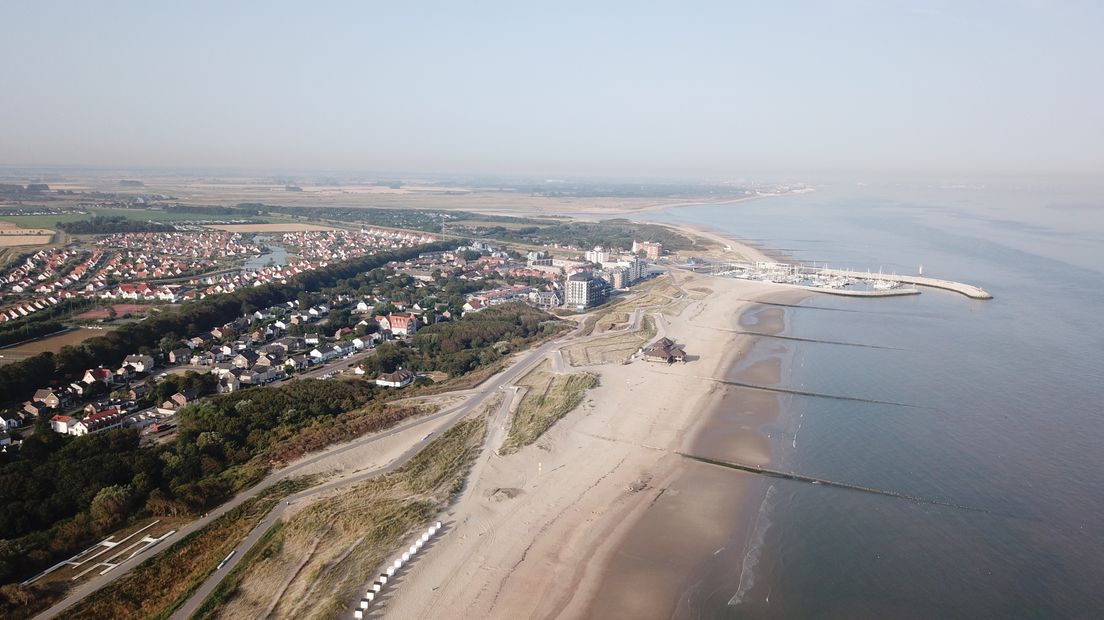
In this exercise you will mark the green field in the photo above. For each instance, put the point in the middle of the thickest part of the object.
(142, 215)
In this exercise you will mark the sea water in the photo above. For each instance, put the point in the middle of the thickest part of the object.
(997, 421)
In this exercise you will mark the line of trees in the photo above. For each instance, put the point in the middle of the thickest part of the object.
(61, 493)
(109, 224)
(458, 347)
(608, 233)
(42, 322)
(64, 493)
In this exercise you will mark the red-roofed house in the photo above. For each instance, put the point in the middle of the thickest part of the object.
(103, 375)
(61, 424)
(104, 420)
(398, 324)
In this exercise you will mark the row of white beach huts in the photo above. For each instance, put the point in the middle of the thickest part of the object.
(377, 586)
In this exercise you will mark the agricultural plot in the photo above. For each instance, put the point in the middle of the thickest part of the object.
(52, 343)
(8, 240)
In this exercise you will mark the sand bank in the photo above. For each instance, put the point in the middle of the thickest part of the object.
(601, 517)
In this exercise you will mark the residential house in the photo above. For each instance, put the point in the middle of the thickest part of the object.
(97, 422)
(138, 392)
(324, 353)
(180, 356)
(176, 401)
(256, 375)
(398, 324)
(201, 339)
(11, 419)
(298, 362)
(245, 359)
(123, 374)
(141, 363)
(290, 343)
(48, 398)
(545, 299)
(399, 378)
(61, 423)
(101, 374)
(273, 350)
(229, 383)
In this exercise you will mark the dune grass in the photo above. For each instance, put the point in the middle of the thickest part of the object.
(161, 584)
(550, 397)
(316, 563)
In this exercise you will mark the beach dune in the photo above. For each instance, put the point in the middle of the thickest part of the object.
(602, 517)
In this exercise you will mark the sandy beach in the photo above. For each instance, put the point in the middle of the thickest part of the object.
(602, 517)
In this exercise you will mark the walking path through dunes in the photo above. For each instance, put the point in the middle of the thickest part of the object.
(323, 555)
(536, 528)
(358, 460)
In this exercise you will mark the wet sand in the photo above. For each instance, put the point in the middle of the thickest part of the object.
(604, 517)
(687, 552)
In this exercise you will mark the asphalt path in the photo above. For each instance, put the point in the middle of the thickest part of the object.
(342, 363)
(454, 415)
(480, 393)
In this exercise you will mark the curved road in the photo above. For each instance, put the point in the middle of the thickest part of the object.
(480, 393)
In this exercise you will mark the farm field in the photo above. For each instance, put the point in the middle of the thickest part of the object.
(14, 236)
(10, 241)
(142, 215)
(120, 310)
(52, 343)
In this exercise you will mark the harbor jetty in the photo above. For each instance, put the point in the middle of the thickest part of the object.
(847, 282)
(968, 290)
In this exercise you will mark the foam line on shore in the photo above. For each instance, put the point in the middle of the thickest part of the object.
(785, 475)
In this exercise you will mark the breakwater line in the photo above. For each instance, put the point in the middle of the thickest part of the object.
(801, 306)
(765, 388)
(786, 475)
(799, 339)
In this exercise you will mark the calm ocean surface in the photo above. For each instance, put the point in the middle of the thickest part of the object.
(1008, 417)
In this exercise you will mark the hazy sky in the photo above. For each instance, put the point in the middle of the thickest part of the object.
(722, 89)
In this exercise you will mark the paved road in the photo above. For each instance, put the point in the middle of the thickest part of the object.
(100, 581)
(341, 363)
(480, 393)
(454, 415)
(337, 364)
(192, 604)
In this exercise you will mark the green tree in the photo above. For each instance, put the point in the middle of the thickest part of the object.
(111, 505)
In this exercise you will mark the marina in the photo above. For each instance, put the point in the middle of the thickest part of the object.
(846, 282)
